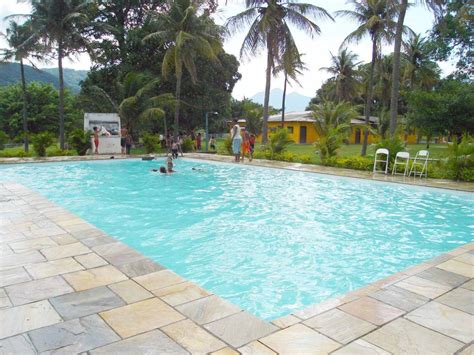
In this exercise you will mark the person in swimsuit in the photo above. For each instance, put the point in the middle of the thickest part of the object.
(128, 143)
(198, 142)
(174, 150)
(245, 145)
(212, 143)
(96, 140)
(169, 164)
(252, 145)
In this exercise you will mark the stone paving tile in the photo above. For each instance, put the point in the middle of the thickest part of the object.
(32, 244)
(192, 337)
(19, 344)
(468, 285)
(10, 237)
(159, 279)
(339, 325)
(17, 320)
(225, 351)
(4, 300)
(371, 310)
(423, 287)
(400, 298)
(15, 260)
(299, 339)
(415, 269)
(63, 251)
(286, 321)
(84, 303)
(360, 347)
(37, 290)
(5, 249)
(208, 309)
(154, 342)
(63, 239)
(73, 336)
(140, 317)
(181, 293)
(443, 277)
(458, 267)
(43, 232)
(439, 259)
(319, 308)
(117, 253)
(467, 351)
(404, 337)
(467, 258)
(87, 233)
(54, 267)
(140, 267)
(446, 320)
(256, 348)
(13, 276)
(240, 328)
(101, 276)
(91, 260)
(130, 291)
(78, 227)
(459, 298)
(99, 240)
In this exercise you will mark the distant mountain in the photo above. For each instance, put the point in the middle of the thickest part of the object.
(10, 74)
(72, 77)
(294, 102)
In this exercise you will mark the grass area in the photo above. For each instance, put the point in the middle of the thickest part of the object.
(436, 150)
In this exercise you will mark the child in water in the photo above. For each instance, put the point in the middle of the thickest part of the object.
(169, 164)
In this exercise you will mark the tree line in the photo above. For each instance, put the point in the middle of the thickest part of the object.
(161, 64)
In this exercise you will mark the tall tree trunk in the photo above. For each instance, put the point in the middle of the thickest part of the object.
(396, 68)
(267, 91)
(61, 95)
(370, 94)
(176, 107)
(25, 122)
(283, 102)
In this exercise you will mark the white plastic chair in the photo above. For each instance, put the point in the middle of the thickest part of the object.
(421, 161)
(405, 160)
(381, 151)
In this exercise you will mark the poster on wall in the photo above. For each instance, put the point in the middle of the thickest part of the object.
(108, 126)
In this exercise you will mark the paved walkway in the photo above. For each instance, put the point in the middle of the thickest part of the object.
(68, 287)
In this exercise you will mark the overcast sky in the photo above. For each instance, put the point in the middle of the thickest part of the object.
(316, 50)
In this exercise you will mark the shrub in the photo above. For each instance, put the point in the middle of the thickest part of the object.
(41, 141)
(357, 163)
(278, 142)
(80, 140)
(151, 142)
(394, 146)
(187, 145)
(56, 152)
(328, 144)
(15, 154)
(3, 140)
(460, 163)
(228, 145)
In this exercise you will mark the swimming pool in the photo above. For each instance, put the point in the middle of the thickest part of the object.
(269, 240)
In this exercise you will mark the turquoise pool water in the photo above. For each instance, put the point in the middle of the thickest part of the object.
(271, 241)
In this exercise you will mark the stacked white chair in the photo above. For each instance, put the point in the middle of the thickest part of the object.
(380, 152)
(420, 164)
(402, 158)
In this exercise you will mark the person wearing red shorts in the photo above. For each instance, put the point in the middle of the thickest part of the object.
(96, 140)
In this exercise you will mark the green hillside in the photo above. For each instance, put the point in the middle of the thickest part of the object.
(10, 74)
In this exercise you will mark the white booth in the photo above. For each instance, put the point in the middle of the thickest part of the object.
(108, 125)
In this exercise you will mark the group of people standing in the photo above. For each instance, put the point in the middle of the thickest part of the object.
(243, 143)
(126, 139)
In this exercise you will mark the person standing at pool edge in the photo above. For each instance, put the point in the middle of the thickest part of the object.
(236, 140)
(96, 140)
(123, 135)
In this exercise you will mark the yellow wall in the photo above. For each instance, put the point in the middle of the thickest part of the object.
(311, 135)
(352, 136)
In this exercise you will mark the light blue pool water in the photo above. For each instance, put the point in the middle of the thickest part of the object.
(271, 241)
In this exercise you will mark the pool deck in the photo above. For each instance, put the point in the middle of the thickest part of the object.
(68, 287)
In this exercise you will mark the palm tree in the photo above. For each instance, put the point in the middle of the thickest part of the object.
(420, 71)
(375, 18)
(185, 36)
(332, 123)
(343, 67)
(268, 21)
(60, 25)
(292, 66)
(16, 36)
(402, 5)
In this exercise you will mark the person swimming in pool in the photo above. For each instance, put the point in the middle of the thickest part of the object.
(162, 170)
(169, 164)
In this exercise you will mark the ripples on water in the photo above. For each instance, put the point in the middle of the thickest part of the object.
(269, 240)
